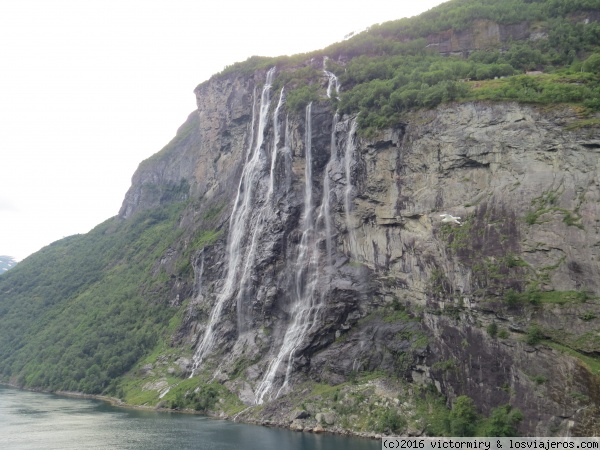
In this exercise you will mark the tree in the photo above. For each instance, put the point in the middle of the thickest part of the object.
(503, 422)
(463, 417)
(592, 64)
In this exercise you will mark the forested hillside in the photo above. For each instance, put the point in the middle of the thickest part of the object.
(85, 309)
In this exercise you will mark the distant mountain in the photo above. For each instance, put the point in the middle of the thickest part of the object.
(6, 262)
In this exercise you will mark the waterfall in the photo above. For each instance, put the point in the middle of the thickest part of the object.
(325, 210)
(308, 169)
(333, 80)
(275, 142)
(199, 276)
(259, 228)
(239, 223)
(333, 83)
(348, 161)
(306, 303)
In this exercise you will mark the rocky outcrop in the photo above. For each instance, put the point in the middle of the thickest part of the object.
(482, 35)
(324, 256)
(488, 34)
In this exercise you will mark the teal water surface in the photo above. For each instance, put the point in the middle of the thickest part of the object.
(32, 420)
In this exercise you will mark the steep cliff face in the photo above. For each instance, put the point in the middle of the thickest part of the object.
(483, 34)
(321, 256)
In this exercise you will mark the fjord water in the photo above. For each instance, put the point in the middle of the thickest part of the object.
(32, 420)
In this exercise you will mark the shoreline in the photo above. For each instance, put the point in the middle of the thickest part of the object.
(113, 401)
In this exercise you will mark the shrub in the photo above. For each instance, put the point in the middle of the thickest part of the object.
(592, 64)
(492, 329)
(503, 422)
(512, 298)
(390, 421)
(463, 417)
(587, 316)
(503, 334)
(583, 296)
(534, 335)
(534, 296)
(299, 98)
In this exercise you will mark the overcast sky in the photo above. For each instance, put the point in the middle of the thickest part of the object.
(89, 89)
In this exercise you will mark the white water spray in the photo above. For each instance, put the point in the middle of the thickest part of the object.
(333, 84)
(275, 143)
(348, 162)
(306, 303)
(239, 222)
(325, 210)
(333, 80)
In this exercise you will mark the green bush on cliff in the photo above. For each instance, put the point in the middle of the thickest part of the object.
(534, 335)
(298, 99)
(502, 422)
(463, 417)
(463, 420)
(592, 64)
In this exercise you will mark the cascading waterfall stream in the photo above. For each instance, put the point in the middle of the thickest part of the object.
(275, 142)
(333, 80)
(325, 210)
(348, 162)
(306, 303)
(333, 84)
(239, 222)
(259, 223)
(198, 281)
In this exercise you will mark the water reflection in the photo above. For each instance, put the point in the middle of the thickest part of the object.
(30, 420)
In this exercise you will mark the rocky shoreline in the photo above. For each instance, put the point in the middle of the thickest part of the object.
(113, 401)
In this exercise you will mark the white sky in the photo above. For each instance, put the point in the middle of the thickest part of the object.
(90, 88)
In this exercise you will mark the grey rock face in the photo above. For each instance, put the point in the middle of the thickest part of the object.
(343, 264)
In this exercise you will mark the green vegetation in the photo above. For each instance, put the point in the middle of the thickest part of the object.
(502, 422)
(184, 396)
(539, 379)
(397, 312)
(88, 312)
(463, 420)
(460, 14)
(390, 69)
(544, 204)
(492, 329)
(511, 261)
(587, 316)
(591, 363)
(534, 296)
(85, 309)
(446, 365)
(388, 421)
(534, 335)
